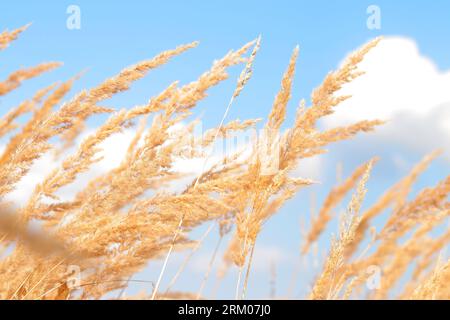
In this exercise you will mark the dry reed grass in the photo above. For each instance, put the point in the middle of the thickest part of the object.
(114, 226)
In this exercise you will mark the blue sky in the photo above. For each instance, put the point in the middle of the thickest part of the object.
(116, 34)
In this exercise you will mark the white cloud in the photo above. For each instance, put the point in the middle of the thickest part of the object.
(310, 168)
(405, 88)
(113, 151)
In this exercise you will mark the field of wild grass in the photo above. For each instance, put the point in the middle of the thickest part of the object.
(91, 246)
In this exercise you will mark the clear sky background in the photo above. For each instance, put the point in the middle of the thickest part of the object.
(115, 34)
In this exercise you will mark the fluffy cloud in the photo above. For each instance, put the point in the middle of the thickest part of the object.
(114, 149)
(405, 88)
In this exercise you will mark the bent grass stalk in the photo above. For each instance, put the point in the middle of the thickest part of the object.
(210, 265)
(187, 259)
(243, 78)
